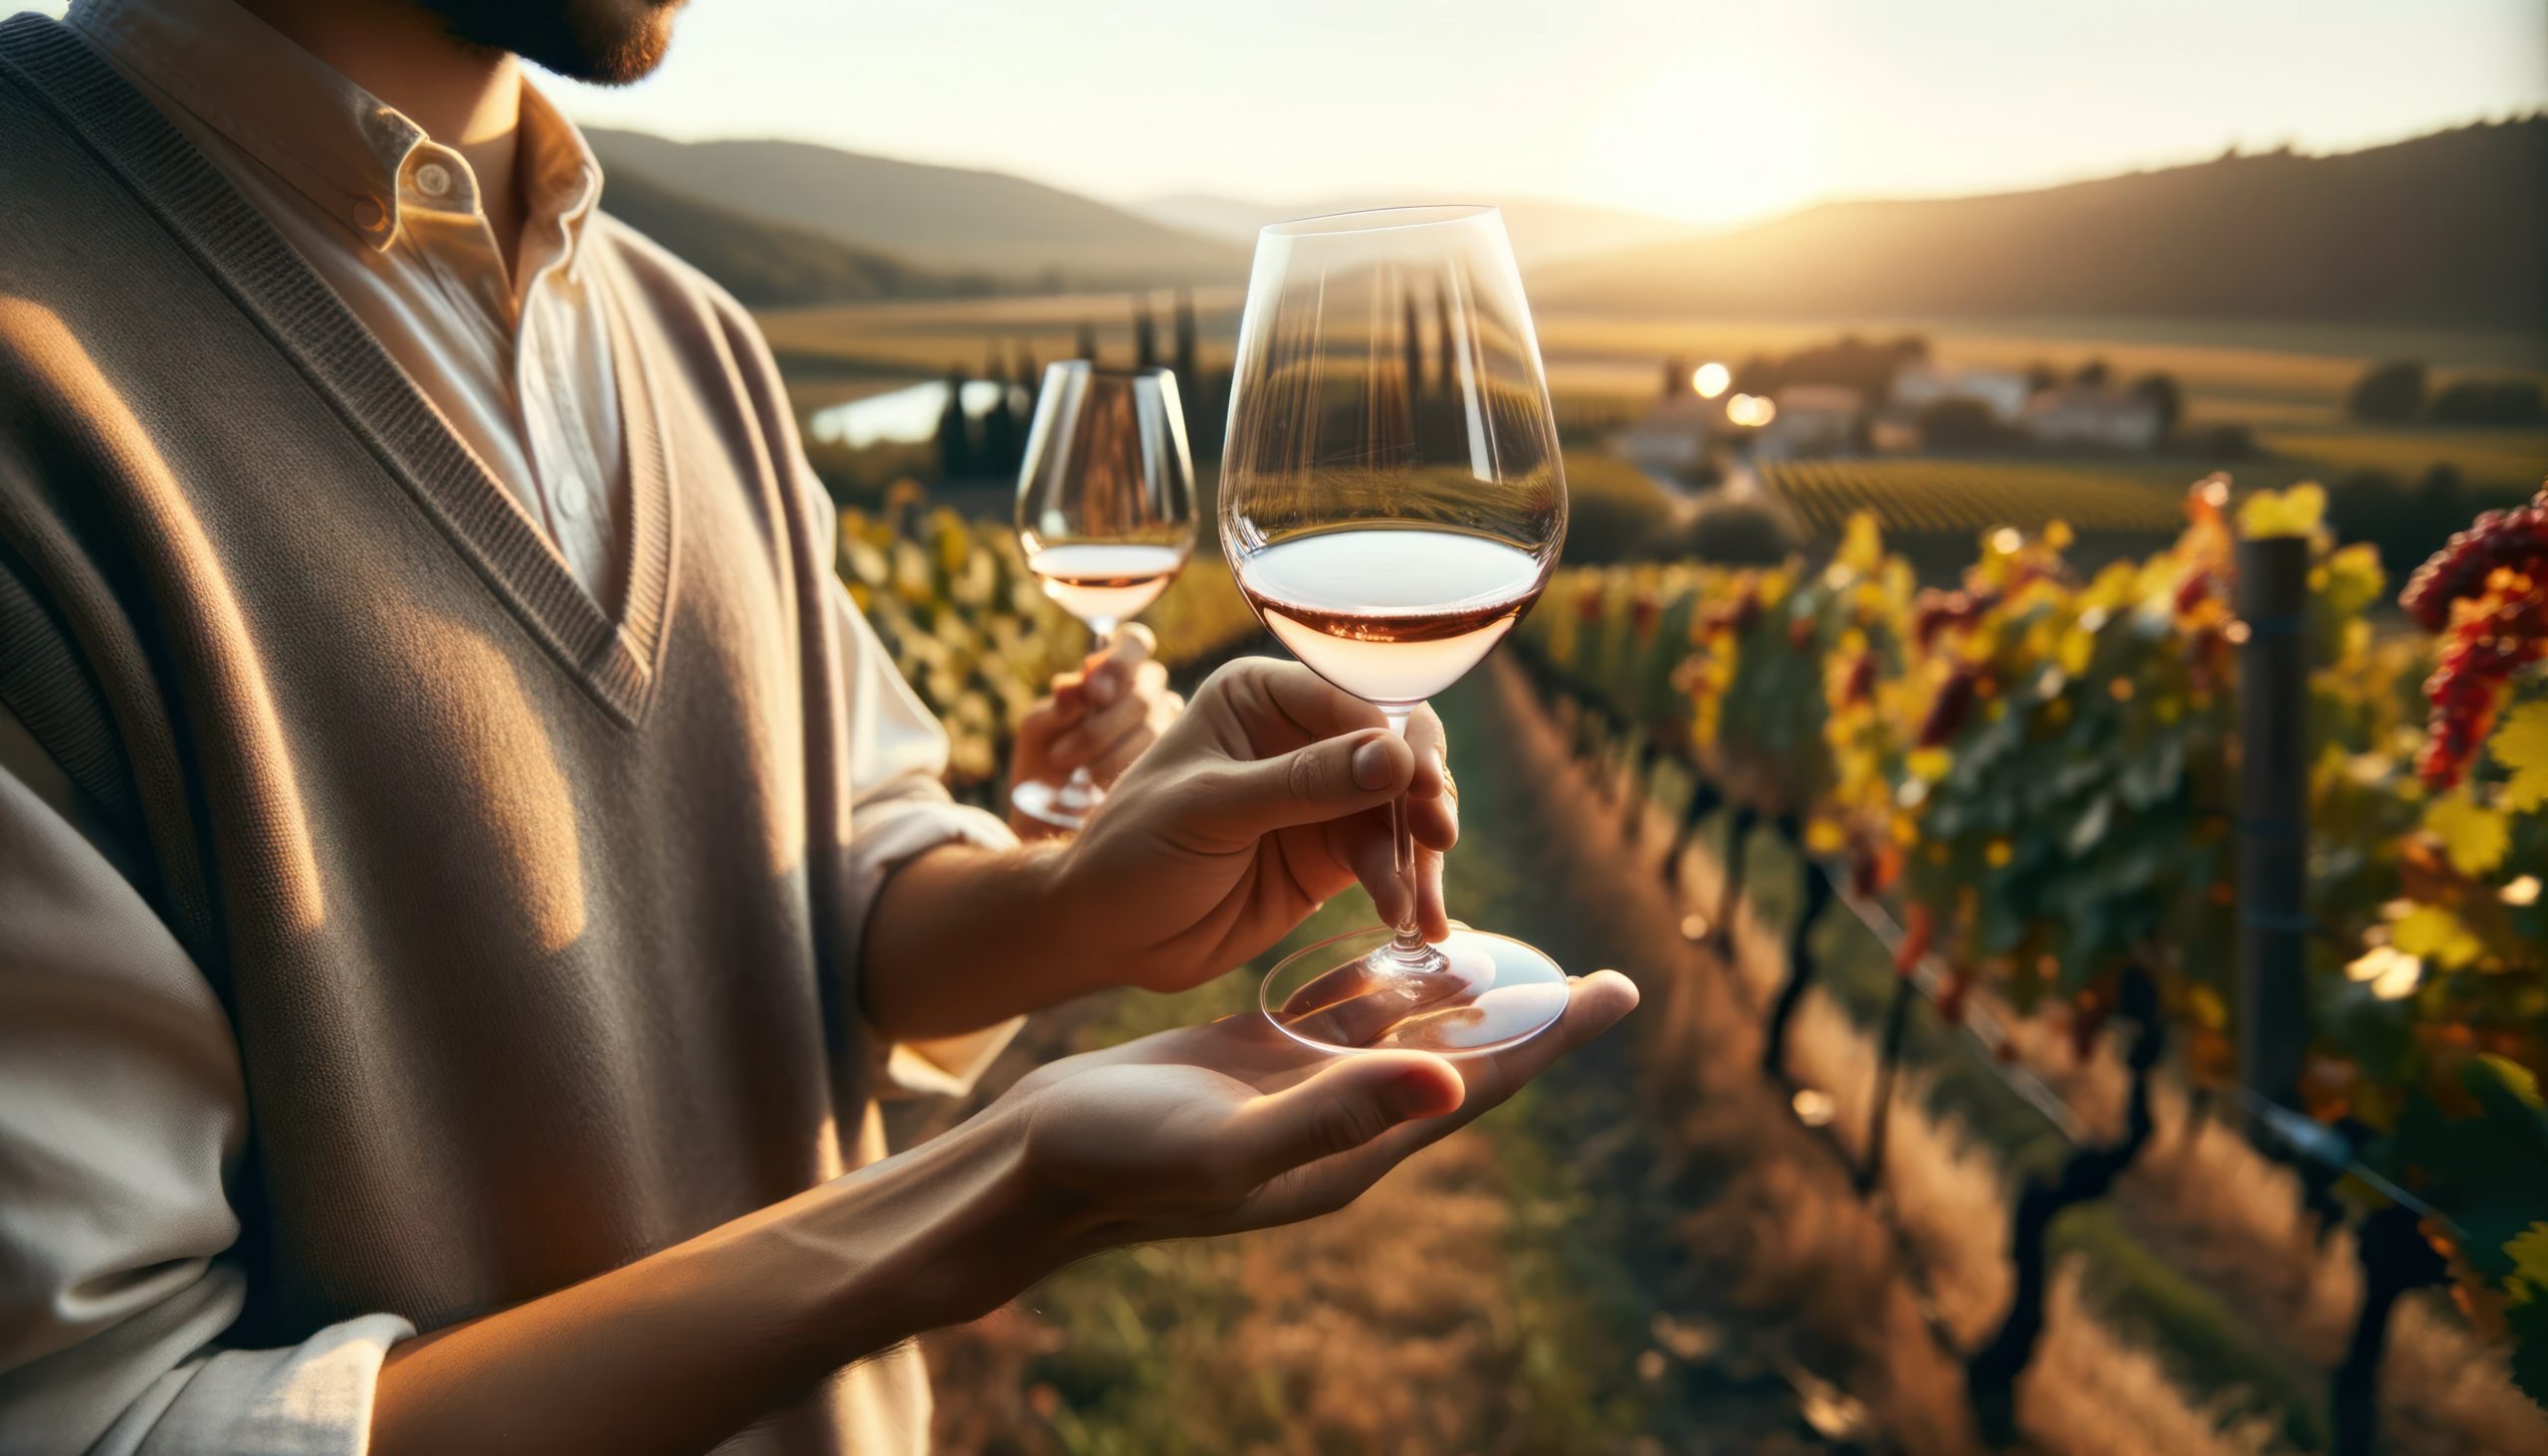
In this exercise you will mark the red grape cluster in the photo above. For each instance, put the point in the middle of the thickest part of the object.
(1952, 706)
(1644, 613)
(2485, 648)
(2192, 590)
(2497, 568)
(1735, 616)
(2516, 539)
(1936, 611)
(1859, 685)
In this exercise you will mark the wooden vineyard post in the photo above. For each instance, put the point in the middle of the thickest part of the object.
(2273, 816)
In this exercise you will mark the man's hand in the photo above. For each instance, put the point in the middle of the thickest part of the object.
(1269, 795)
(1100, 718)
(1235, 1125)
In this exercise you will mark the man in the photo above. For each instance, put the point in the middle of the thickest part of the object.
(464, 871)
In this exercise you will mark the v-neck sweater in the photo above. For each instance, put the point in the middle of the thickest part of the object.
(528, 916)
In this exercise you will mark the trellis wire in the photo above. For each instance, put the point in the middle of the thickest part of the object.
(2392, 1263)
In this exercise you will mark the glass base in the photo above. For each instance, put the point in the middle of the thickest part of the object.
(1346, 994)
(1062, 805)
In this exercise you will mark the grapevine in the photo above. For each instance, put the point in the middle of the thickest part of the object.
(2041, 771)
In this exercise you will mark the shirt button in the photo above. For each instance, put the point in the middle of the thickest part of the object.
(573, 499)
(433, 180)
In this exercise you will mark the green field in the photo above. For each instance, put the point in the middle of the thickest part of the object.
(2487, 458)
(2279, 375)
(1918, 494)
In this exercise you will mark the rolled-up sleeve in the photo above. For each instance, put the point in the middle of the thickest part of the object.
(899, 810)
(121, 1112)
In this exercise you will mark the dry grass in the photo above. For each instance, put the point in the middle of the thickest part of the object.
(1389, 1326)
(2219, 1212)
(2231, 1220)
(2091, 1392)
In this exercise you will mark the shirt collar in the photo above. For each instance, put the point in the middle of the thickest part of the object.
(355, 158)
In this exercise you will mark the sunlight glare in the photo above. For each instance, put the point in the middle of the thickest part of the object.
(1750, 411)
(1708, 140)
(1710, 380)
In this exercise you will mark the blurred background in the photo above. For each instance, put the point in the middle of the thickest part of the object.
(1996, 278)
(1956, 262)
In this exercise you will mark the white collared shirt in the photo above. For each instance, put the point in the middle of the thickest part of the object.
(517, 361)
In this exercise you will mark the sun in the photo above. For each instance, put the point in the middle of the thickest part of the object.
(1705, 140)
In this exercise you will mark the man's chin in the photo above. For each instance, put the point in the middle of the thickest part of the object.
(606, 42)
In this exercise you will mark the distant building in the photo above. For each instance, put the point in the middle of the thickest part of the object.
(1920, 384)
(1813, 419)
(1894, 431)
(1671, 438)
(2097, 416)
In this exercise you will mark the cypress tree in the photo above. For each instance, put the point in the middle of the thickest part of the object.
(1446, 345)
(1001, 446)
(1413, 347)
(954, 436)
(1145, 333)
(1189, 364)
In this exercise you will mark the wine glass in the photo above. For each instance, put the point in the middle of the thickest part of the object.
(1392, 501)
(1106, 512)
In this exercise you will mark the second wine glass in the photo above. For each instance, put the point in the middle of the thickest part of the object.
(1106, 515)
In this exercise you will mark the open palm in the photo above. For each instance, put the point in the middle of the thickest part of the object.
(1233, 1126)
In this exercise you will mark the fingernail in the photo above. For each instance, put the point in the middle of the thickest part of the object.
(1371, 764)
(1103, 689)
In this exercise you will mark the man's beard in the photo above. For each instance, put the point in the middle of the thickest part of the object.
(611, 42)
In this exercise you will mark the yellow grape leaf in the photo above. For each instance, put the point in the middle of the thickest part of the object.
(2520, 743)
(2296, 511)
(2209, 1010)
(2517, 1078)
(2472, 835)
(1928, 763)
(2529, 1277)
(2433, 932)
(1825, 837)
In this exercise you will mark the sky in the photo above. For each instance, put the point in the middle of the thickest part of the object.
(1710, 112)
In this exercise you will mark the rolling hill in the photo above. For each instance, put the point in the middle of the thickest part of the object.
(1544, 231)
(945, 219)
(2448, 230)
(767, 264)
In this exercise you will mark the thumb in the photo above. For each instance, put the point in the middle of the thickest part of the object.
(1329, 779)
(1342, 1106)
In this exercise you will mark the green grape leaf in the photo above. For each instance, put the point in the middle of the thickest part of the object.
(2523, 1084)
(2474, 836)
(2529, 1325)
(2520, 743)
(2433, 932)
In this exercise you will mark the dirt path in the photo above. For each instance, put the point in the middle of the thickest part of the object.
(1643, 1255)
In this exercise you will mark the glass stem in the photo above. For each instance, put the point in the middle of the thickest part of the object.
(1080, 790)
(1407, 948)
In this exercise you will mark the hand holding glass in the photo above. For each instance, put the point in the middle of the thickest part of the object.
(1392, 501)
(1106, 514)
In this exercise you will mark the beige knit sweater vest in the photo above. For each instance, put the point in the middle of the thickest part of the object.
(522, 913)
